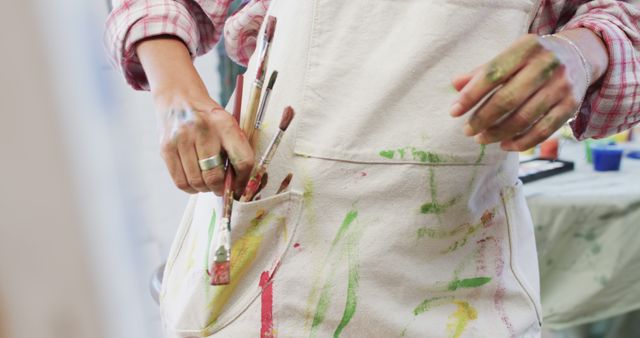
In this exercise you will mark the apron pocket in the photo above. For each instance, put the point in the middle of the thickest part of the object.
(261, 233)
(378, 89)
(524, 262)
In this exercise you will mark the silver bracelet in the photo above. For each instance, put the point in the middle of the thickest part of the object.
(585, 65)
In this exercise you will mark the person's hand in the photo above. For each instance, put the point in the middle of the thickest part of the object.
(192, 126)
(531, 89)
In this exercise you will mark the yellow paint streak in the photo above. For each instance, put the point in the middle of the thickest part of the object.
(243, 254)
(459, 320)
(307, 199)
(282, 222)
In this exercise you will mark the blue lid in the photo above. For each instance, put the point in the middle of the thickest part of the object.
(634, 155)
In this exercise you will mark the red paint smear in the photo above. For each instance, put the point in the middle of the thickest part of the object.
(296, 245)
(266, 330)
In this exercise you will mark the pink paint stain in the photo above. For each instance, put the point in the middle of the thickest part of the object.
(498, 297)
(363, 174)
(266, 330)
(296, 245)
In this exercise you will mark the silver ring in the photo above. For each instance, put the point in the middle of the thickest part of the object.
(210, 162)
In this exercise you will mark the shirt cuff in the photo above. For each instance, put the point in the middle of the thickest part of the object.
(607, 106)
(135, 21)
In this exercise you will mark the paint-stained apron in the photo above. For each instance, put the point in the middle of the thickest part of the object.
(396, 225)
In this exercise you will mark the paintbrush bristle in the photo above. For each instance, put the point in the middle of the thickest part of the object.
(287, 116)
(285, 183)
(272, 79)
(271, 28)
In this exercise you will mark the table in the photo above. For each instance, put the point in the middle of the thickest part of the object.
(587, 227)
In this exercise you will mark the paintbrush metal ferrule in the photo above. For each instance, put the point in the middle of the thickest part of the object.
(271, 149)
(264, 102)
(221, 270)
(263, 107)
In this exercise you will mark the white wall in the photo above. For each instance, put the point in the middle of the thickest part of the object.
(88, 210)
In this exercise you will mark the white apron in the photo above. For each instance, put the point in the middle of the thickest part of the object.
(396, 225)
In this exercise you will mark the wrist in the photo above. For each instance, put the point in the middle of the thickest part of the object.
(592, 48)
(173, 80)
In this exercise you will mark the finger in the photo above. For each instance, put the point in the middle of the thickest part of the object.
(236, 145)
(544, 128)
(188, 157)
(514, 93)
(494, 73)
(462, 80)
(208, 145)
(535, 107)
(171, 158)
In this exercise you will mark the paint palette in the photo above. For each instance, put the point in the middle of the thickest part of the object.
(539, 168)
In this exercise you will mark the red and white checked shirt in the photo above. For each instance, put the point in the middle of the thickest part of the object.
(612, 104)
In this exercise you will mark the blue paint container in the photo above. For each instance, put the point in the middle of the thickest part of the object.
(606, 157)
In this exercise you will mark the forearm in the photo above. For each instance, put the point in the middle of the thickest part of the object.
(169, 69)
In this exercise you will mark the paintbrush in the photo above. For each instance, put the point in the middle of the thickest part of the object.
(261, 168)
(221, 271)
(263, 183)
(249, 123)
(265, 100)
(285, 183)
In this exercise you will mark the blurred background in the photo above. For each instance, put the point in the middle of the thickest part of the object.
(89, 211)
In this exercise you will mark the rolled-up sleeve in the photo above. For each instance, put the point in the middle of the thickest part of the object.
(134, 20)
(613, 104)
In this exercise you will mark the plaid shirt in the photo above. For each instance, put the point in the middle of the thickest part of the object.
(611, 105)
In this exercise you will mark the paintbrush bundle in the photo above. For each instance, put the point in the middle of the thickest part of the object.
(251, 126)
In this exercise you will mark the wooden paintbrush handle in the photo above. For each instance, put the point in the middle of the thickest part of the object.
(249, 122)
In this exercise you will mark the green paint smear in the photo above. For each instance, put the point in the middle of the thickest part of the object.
(430, 303)
(468, 283)
(351, 216)
(324, 299)
(387, 154)
(322, 307)
(417, 155)
(425, 156)
(437, 208)
(352, 287)
(483, 148)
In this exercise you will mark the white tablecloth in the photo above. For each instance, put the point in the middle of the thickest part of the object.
(588, 237)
